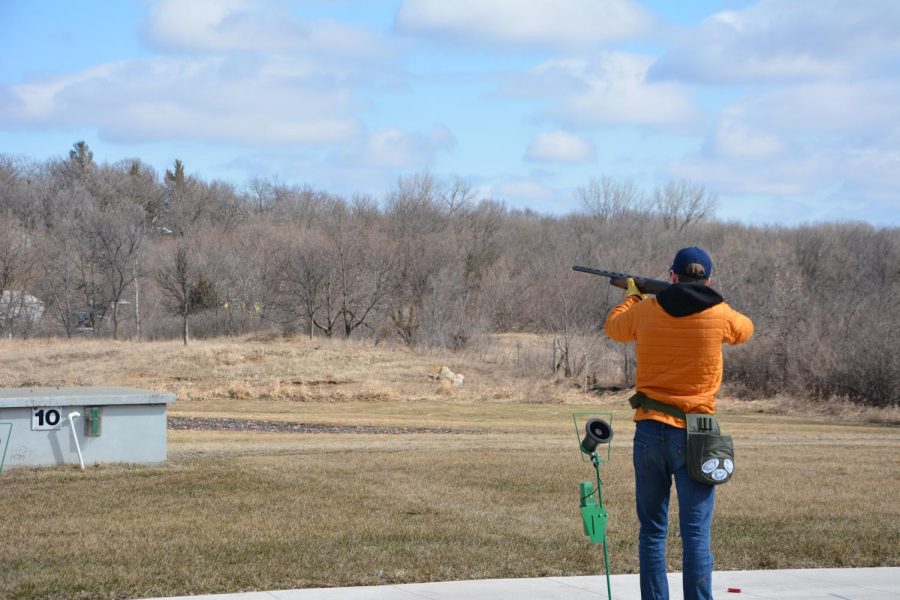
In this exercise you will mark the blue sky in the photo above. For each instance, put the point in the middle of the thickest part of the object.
(788, 111)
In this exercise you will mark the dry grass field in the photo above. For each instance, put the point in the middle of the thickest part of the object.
(406, 481)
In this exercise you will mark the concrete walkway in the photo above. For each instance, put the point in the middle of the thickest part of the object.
(806, 584)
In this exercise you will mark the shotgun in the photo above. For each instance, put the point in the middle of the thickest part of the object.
(620, 280)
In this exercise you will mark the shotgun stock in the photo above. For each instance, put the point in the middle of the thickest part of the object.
(620, 280)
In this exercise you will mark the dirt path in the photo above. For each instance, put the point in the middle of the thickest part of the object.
(213, 424)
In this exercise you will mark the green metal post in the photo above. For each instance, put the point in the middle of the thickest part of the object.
(606, 566)
(596, 461)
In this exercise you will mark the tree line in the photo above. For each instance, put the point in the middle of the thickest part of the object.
(121, 251)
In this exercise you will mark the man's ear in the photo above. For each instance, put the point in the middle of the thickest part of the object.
(708, 281)
(672, 276)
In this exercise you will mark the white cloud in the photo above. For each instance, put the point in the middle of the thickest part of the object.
(254, 25)
(609, 88)
(793, 176)
(236, 71)
(860, 108)
(562, 23)
(773, 41)
(803, 140)
(210, 99)
(198, 24)
(560, 146)
(738, 141)
(812, 152)
(393, 148)
(819, 121)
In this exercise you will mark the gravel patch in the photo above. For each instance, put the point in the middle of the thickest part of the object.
(213, 424)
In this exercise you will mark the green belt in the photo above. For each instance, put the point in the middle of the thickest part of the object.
(696, 423)
(641, 400)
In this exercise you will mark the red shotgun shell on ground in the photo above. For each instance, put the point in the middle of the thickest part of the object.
(734, 590)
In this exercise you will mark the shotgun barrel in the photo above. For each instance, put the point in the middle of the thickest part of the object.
(620, 280)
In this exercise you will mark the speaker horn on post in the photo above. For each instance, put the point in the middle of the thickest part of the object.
(597, 432)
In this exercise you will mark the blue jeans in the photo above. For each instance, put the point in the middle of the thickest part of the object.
(659, 454)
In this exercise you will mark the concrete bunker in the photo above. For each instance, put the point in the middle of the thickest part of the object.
(68, 425)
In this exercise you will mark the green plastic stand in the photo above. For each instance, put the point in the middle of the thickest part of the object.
(594, 517)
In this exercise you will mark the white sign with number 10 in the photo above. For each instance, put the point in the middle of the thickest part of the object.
(45, 418)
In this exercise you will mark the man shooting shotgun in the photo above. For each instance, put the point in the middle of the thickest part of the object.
(679, 336)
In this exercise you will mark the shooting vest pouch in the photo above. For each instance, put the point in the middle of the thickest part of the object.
(710, 455)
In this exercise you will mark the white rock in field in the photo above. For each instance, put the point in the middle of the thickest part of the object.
(445, 374)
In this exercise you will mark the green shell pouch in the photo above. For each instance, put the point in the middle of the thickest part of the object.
(710, 455)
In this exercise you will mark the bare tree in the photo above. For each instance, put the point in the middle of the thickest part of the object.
(415, 220)
(479, 240)
(142, 188)
(182, 279)
(60, 279)
(458, 196)
(608, 199)
(12, 200)
(18, 260)
(262, 192)
(681, 203)
(117, 236)
(91, 286)
(361, 264)
(300, 206)
(243, 265)
(9, 179)
(181, 214)
(299, 284)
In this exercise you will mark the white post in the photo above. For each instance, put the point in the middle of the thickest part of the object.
(72, 416)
